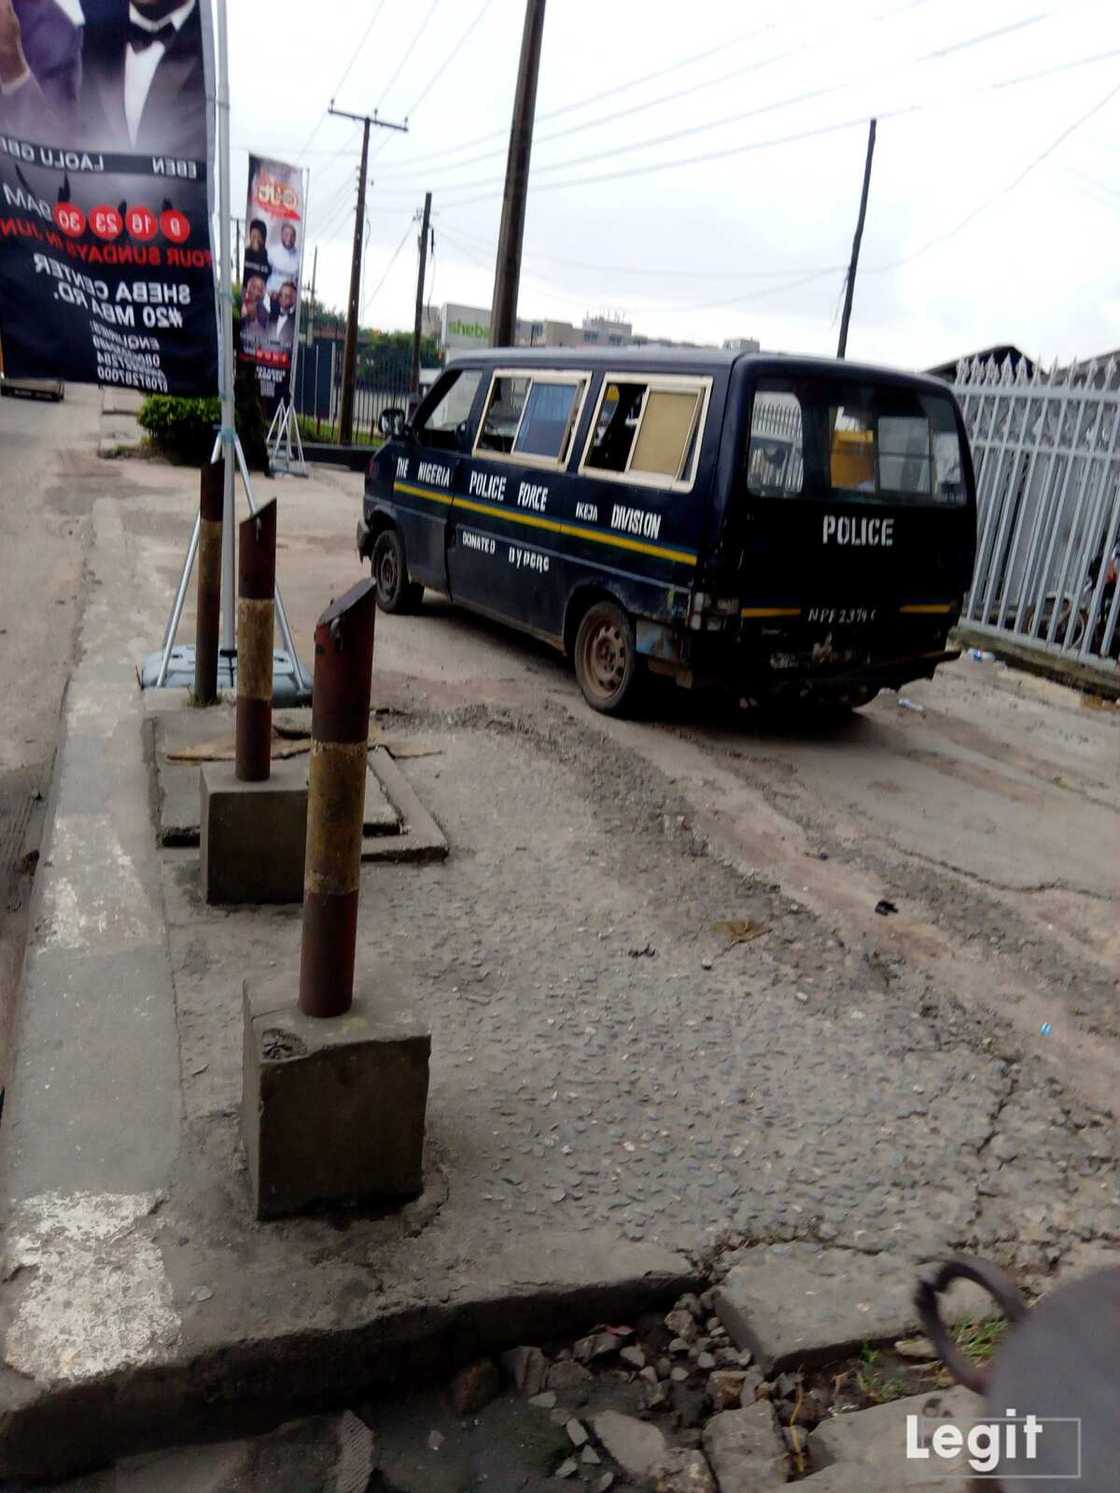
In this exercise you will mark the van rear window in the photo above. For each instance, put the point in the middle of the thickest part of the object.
(879, 442)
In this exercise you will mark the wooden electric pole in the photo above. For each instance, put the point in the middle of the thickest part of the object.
(418, 325)
(849, 290)
(350, 351)
(507, 271)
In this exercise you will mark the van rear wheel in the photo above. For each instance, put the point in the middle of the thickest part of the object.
(606, 661)
(394, 591)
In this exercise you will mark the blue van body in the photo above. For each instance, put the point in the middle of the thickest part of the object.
(690, 491)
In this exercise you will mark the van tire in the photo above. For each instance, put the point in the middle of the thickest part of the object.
(394, 591)
(606, 659)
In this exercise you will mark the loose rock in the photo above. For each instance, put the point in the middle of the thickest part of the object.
(919, 1349)
(685, 1472)
(590, 1457)
(682, 1324)
(475, 1386)
(567, 1375)
(638, 1448)
(526, 1369)
(568, 1468)
(744, 1448)
(634, 1356)
(725, 1388)
(546, 1400)
(705, 1362)
(576, 1434)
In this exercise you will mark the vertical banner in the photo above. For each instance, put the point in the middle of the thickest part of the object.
(272, 273)
(106, 165)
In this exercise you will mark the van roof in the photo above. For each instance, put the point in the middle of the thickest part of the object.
(679, 359)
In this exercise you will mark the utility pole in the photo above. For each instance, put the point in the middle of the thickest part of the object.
(350, 353)
(507, 270)
(418, 325)
(849, 291)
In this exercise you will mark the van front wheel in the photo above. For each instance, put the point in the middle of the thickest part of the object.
(606, 662)
(394, 591)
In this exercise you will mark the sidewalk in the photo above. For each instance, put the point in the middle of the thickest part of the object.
(619, 1083)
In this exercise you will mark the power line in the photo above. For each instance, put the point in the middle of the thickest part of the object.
(975, 41)
(396, 252)
(346, 73)
(859, 122)
(626, 269)
(410, 49)
(361, 46)
(1059, 140)
(486, 4)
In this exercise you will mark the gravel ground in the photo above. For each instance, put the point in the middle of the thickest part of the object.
(605, 1055)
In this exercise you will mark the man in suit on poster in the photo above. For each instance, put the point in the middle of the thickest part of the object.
(143, 79)
(40, 70)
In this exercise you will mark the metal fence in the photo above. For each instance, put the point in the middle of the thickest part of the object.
(1047, 453)
(382, 385)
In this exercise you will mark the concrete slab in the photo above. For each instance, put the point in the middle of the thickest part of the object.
(794, 1304)
(253, 834)
(333, 1111)
(177, 782)
(877, 1437)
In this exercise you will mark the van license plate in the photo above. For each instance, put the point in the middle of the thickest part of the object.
(842, 616)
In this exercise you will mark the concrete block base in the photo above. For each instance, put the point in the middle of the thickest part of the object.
(253, 835)
(333, 1111)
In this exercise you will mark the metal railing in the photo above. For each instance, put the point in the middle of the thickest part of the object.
(381, 386)
(1046, 448)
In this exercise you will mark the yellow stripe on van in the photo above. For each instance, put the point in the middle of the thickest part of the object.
(424, 492)
(928, 609)
(770, 612)
(550, 525)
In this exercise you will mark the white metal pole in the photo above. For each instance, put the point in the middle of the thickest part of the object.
(226, 375)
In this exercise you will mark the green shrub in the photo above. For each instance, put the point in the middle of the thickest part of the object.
(183, 429)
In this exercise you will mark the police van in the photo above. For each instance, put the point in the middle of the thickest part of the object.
(792, 528)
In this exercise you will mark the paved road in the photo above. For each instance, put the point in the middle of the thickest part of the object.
(989, 815)
(50, 476)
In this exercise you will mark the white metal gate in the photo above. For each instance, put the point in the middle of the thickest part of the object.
(1047, 454)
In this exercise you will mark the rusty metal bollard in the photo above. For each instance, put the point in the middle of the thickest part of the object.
(336, 801)
(256, 606)
(207, 626)
(1058, 1368)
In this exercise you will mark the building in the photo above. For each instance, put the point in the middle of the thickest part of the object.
(742, 345)
(467, 328)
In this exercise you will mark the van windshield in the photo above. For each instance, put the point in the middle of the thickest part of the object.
(876, 443)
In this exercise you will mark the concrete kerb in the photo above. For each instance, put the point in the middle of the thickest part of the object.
(236, 1386)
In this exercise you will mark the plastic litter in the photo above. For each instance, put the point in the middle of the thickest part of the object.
(978, 655)
(906, 704)
(885, 908)
(1046, 1029)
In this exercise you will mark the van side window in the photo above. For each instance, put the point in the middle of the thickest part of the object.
(648, 430)
(440, 425)
(503, 414)
(532, 416)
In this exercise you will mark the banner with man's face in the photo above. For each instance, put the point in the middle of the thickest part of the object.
(106, 152)
(273, 272)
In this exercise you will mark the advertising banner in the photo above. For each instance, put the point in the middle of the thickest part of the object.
(106, 152)
(272, 273)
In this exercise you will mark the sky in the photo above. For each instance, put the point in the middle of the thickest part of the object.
(703, 180)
